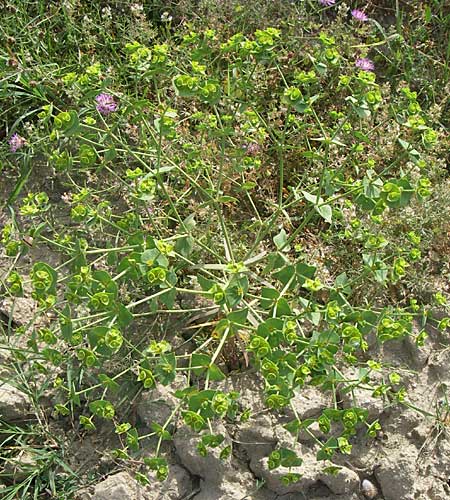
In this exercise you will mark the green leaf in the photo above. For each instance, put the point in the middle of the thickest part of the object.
(365, 202)
(293, 426)
(215, 373)
(248, 186)
(168, 298)
(109, 383)
(189, 223)
(283, 307)
(87, 423)
(327, 450)
(334, 415)
(184, 245)
(65, 323)
(404, 144)
(343, 284)
(306, 423)
(210, 92)
(104, 283)
(110, 154)
(200, 362)
(227, 199)
(213, 440)
(268, 297)
(150, 256)
(165, 369)
(186, 392)
(311, 155)
(233, 295)
(124, 316)
(301, 106)
(326, 212)
(289, 458)
(238, 317)
(205, 283)
(312, 198)
(270, 327)
(197, 401)
(24, 175)
(304, 271)
(102, 408)
(285, 274)
(363, 111)
(275, 260)
(155, 462)
(73, 396)
(132, 439)
(225, 453)
(280, 241)
(161, 432)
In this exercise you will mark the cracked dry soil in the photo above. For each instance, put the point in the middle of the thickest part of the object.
(409, 460)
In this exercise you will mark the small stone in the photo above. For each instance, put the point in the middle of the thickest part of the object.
(344, 481)
(21, 466)
(397, 477)
(224, 491)
(220, 479)
(83, 494)
(273, 479)
(176, 486)
(14, 404)
(19, 309)
(310, 472)
(119, 486)
(309, 402)
(368, 489)
(257, 436)
(439, 490)
(211, 468)
(156, 405)
(122, 486)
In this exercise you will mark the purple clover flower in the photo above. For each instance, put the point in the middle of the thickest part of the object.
(16, 142)
(327, 3)
(360, 15)
(365, 64)
(106, 104)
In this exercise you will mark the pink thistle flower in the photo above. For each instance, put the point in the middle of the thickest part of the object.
(360, 15)
(365, 64)
(106, 104)
(16, 142)
(327, 3)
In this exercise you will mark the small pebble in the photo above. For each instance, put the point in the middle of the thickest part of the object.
(369, 489)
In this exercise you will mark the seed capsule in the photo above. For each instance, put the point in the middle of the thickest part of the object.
(369, 489)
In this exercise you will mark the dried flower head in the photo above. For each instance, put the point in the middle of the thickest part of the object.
(360, 15)
(106, 104)
(365, 64)
(327, 3)
(16, 142)
(252, 149)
